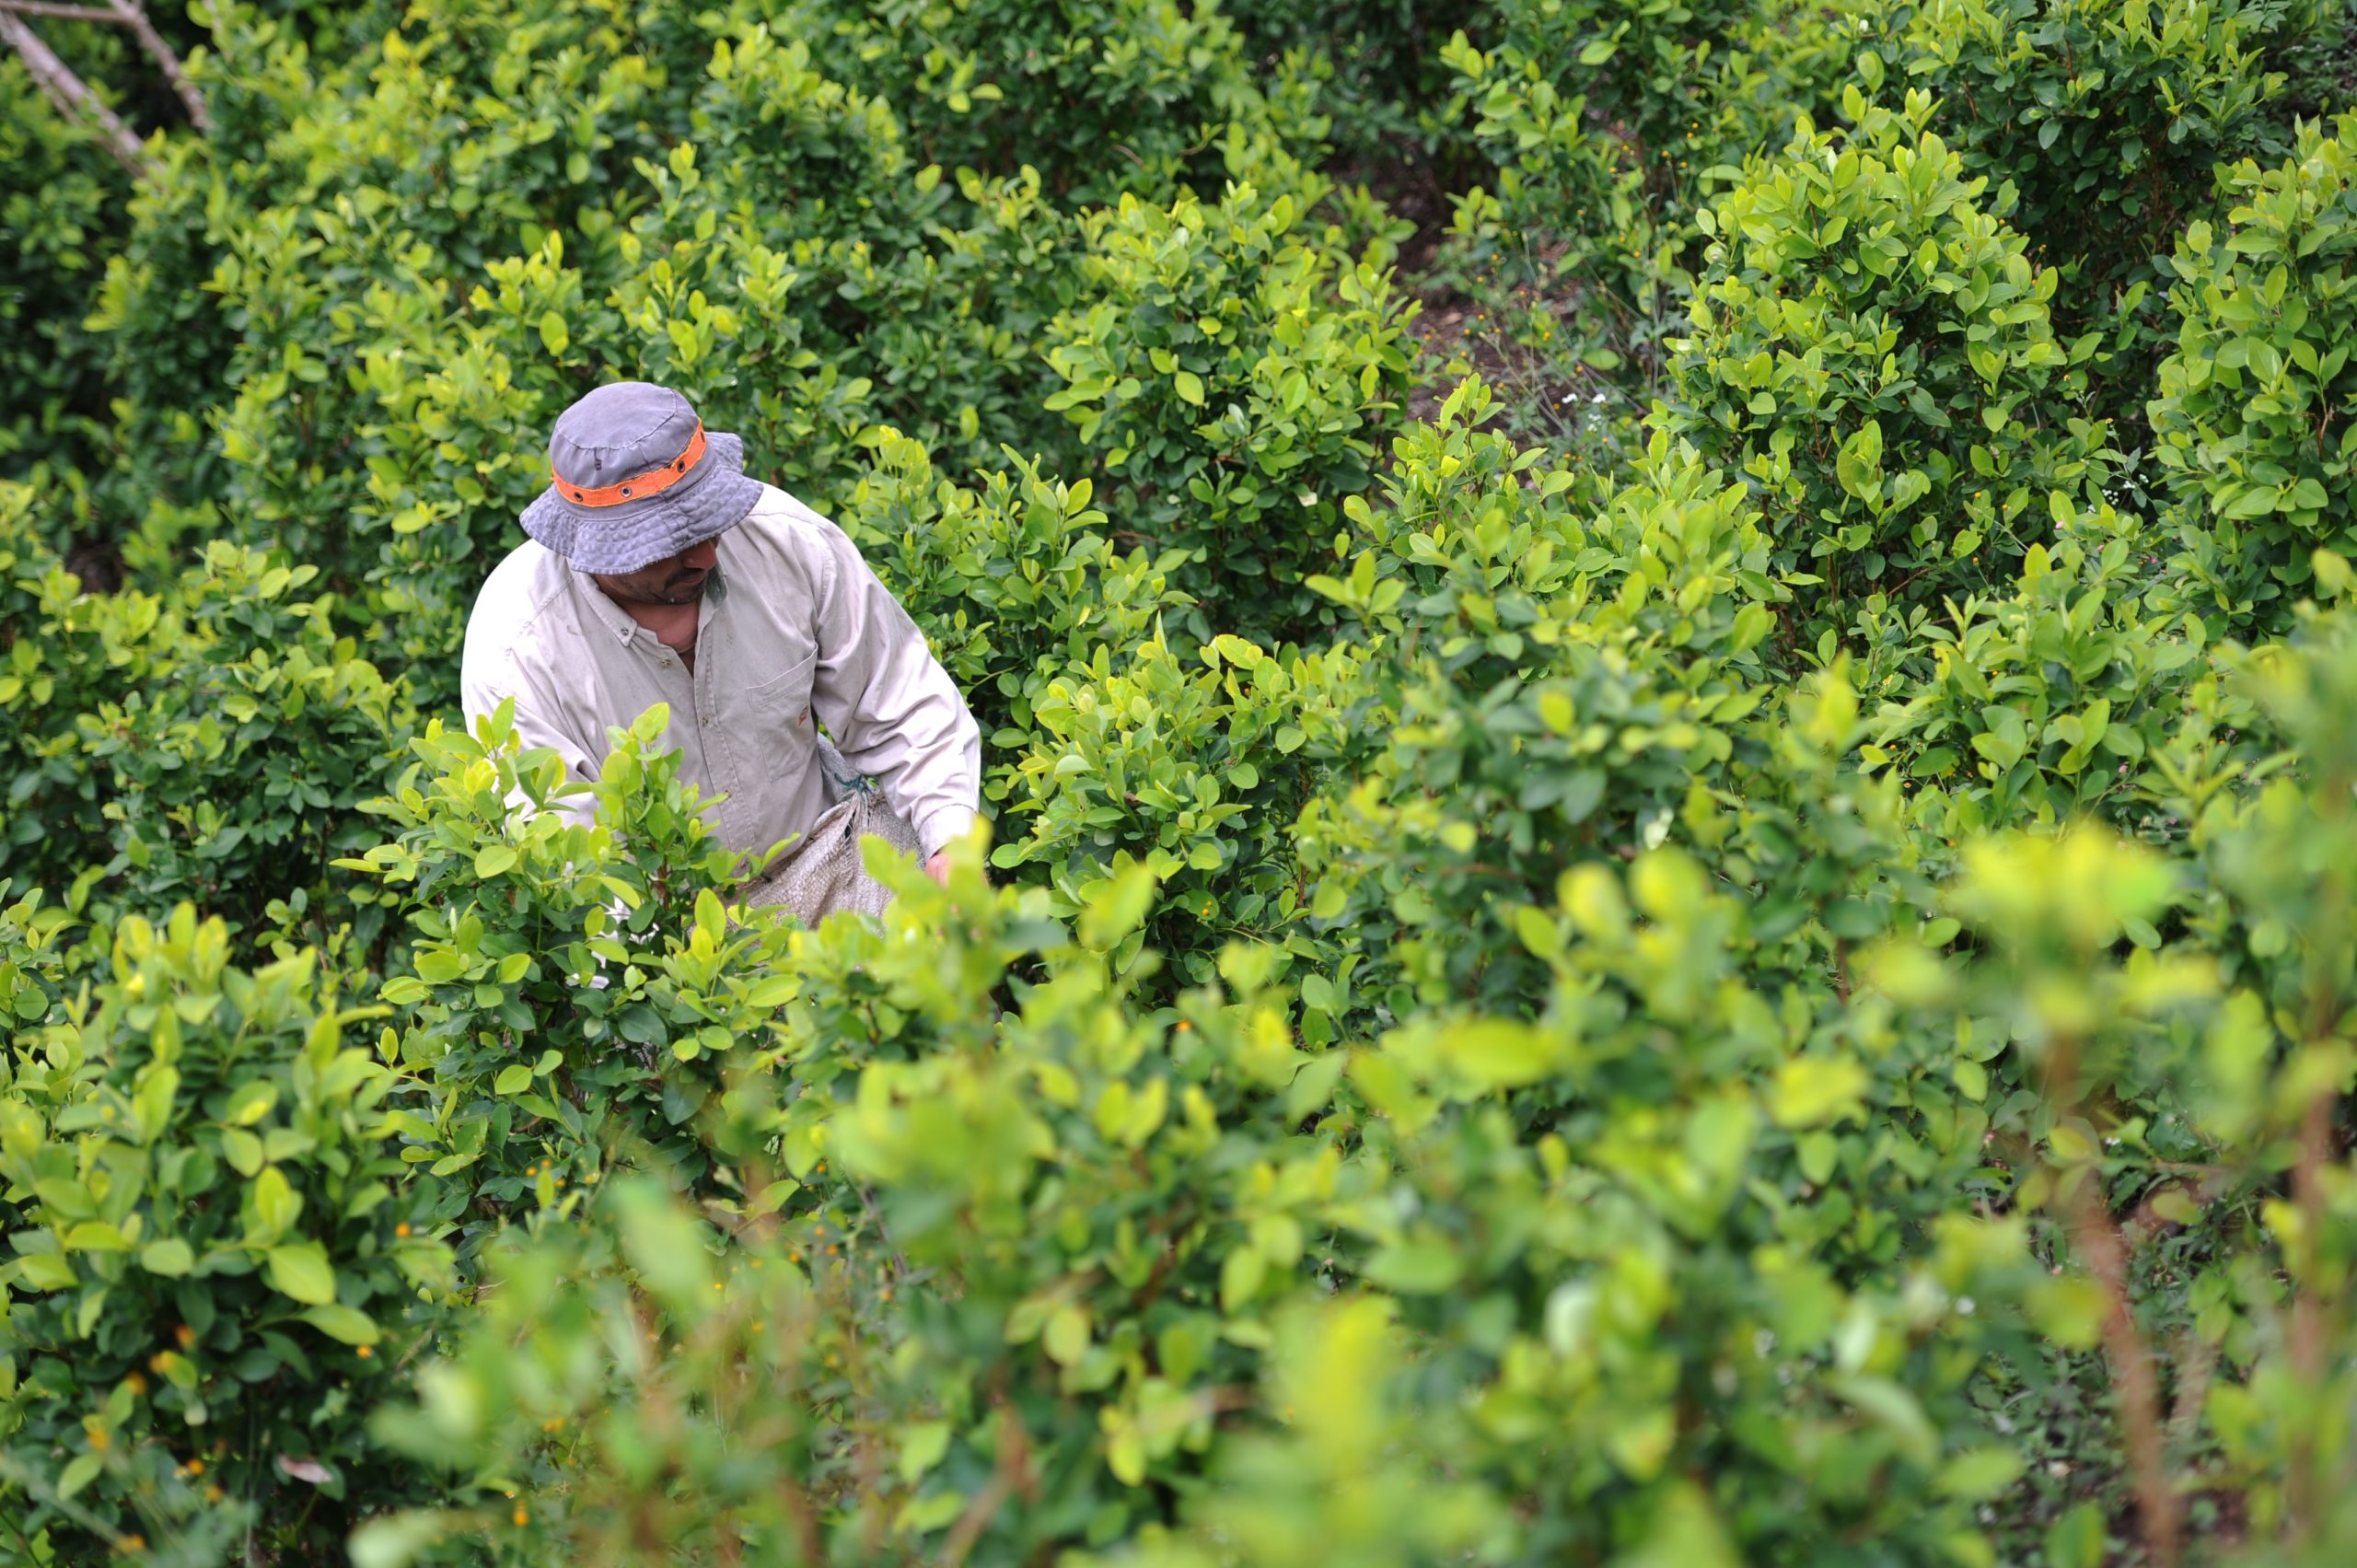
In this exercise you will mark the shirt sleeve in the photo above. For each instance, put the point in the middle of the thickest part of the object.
(893, 710)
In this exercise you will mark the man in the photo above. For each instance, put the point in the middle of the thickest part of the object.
(660, 572)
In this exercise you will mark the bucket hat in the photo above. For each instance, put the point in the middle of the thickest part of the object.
(636, 479)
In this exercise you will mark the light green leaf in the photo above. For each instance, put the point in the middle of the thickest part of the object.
(1419, 1266)
(170, 1257)
(301, 1271)
(1980, 1472)
(276, 1205)
(1811, 1091)
(348, 1324)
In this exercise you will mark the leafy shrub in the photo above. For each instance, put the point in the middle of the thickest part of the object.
(137, 706)
(1643, 63)
(31, 966)
(1127, 97)
(1542, 688)
(2042, 705)
(66, 653)
(1012, 582)
(216, 1269)
(2273, 905)
(60, 217)
(569, 1422)
(1144, 762)
(1873, 352)
(2099, 123)
(1376, 64)
(1237, 376)
(1608, 128)
(2104, 118)
(573, 992)
(1152, 1229)
(2253, 424)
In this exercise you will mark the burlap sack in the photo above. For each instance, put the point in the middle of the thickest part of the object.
(821, 872)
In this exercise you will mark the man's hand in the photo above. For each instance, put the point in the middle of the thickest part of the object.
(938, 869)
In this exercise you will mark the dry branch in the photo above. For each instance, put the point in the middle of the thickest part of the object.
(120, 14)
(66, 91)
(98, 14)
(133, 15)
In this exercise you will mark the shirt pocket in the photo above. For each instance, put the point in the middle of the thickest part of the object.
(786, 697)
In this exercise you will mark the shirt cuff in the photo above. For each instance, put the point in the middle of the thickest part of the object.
(948, 823)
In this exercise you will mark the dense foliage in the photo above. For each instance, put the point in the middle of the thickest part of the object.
(1669, 790)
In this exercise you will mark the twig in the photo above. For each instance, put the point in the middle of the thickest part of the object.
(2096, 1237)
(2194, 1369)
(133, 15)
(98, 14)
(1010, 1475)
(65, 91)
(2308, 1329)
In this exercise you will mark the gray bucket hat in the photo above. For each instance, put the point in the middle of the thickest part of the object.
(637, 479)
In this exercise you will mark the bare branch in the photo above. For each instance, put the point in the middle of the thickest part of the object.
(65, 90)
(133, 15)
(98, 14)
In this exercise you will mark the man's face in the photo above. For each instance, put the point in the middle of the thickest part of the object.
(675, 579)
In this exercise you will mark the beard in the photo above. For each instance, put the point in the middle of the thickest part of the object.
(683, 586)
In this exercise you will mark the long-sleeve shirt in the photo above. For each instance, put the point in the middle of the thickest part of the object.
(793, 626)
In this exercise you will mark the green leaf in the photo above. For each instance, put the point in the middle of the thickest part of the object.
(922, 1444)
(250, 1103)
(1065, 1338)
(276, 1205)
(514, 1079)
(774, 991)
(1896, 1411)
(301, 1271)
(1980, 1472)
(169, 1257)
(493, 859)
(1495, 1054)
(397, 1541)
(96, 1235)
(242, 1150)
(1810, 1091)
(1423, 1265)
(1191, 387)
(80, 1473)
(347, 1324)
(1118, 907)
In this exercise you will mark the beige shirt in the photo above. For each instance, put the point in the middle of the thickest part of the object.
(793, 626)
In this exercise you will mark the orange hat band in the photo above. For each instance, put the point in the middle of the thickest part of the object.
(654, 482)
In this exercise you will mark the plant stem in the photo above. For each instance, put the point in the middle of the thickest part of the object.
(66, 92)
